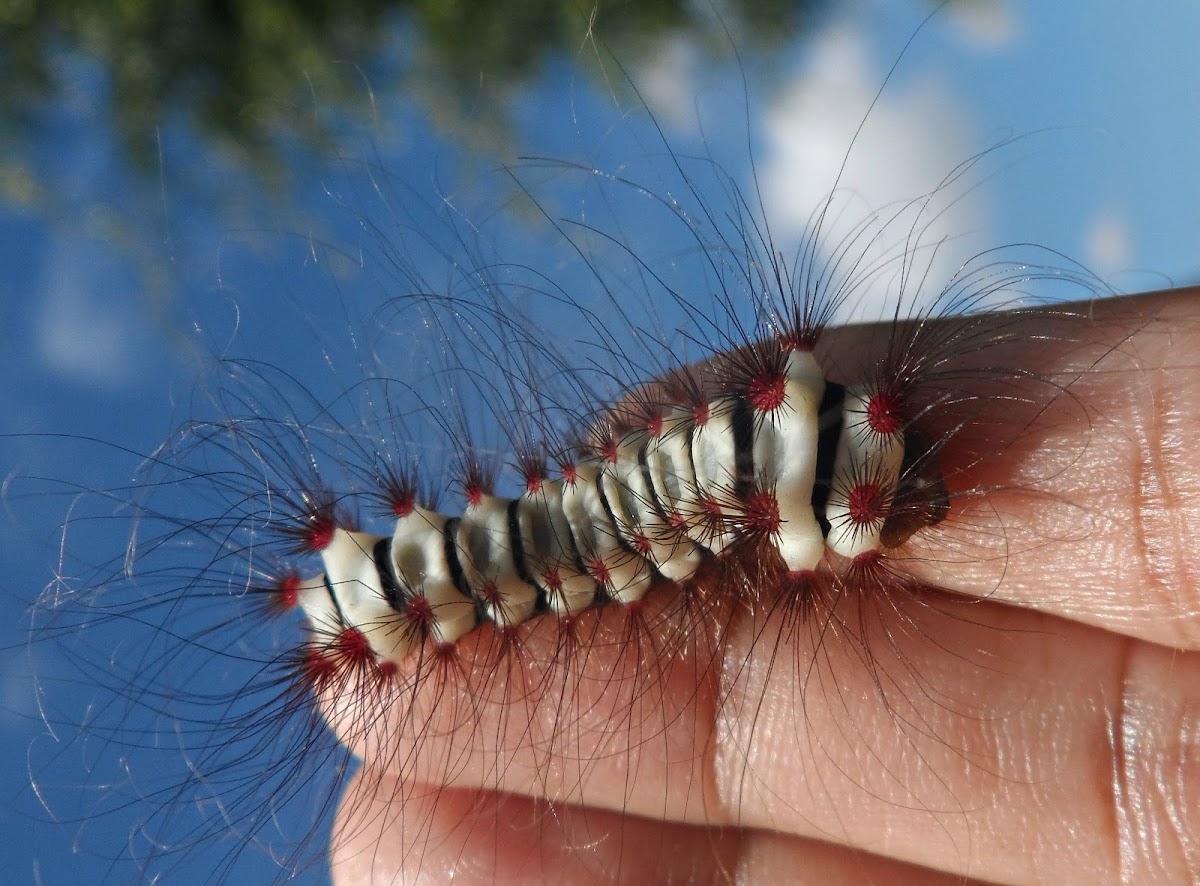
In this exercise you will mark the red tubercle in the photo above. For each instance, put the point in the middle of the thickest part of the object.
(701, 414)
(676, 521)
(884, 415)
(402, 506)
(869, 574)
(318, 668)
(804, 586)
(765, 391)
(867, 562)
(553, 580)
(419, 612)
(388, 671)
(755, 372)
(570, 473)
(654, 425)
(489, 592)
(477, 479)
(866, 504)
(711, 508)
(287, 592)
(599, 571)
(602, 440)
(531, 465)
(402, 491)
(710, 516)
(803, 576)
(353, 648)
(318, 532)
(641, 544)
(608, 449)
(760, 515)
(316, 517)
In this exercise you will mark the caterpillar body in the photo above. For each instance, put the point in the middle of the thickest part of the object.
(712, 599)
(650, 502)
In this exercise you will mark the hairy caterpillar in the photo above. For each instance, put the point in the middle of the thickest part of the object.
(645, 676)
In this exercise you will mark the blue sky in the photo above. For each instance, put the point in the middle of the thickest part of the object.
(109, 297)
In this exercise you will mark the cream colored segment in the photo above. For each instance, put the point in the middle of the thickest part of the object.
(350, 567)
(629, 575)
(669, 463)
(546, 538)
(714, 457)
(861, 455)
(633, 504)
(486, 555)
(419, 558)
(785, 459)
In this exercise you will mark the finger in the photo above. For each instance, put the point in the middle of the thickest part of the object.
(974, 738)
(1072, 466)
(1047, 751)
(478, 837)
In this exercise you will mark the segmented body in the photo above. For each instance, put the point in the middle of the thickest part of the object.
(792, 458)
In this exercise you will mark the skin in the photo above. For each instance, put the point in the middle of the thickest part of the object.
(1038, 723)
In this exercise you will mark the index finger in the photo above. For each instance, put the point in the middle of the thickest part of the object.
(1078, 493)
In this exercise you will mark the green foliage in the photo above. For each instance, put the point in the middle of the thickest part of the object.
(249, 74)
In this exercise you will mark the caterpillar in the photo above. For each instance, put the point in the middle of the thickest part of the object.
(702, 604)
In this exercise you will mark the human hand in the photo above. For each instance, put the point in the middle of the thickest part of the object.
(1038, 723)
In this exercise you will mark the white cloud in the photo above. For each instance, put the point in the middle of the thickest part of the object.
(86, 326)
(17, 704)
(667, 83)
(914, 136)
(1106, 242)
(985, 24)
